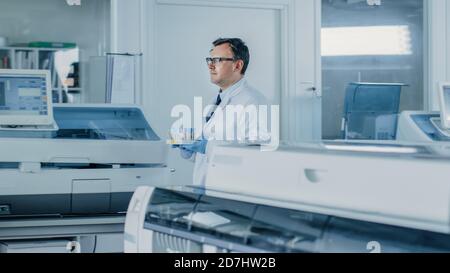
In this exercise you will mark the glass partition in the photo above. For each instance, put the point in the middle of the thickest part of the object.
(171, 209)
(225, 219)
(57, 36)
(283, 230)
(366, 44)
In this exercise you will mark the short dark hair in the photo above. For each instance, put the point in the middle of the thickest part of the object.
(239, 49)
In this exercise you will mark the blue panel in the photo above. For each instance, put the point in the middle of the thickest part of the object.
(371, 111)
(374, 98)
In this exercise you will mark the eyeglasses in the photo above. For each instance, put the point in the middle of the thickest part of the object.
(215, 61)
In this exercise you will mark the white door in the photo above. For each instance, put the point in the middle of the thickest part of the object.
(183, 36)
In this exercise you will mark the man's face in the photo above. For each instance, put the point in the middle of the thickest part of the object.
(225, 72)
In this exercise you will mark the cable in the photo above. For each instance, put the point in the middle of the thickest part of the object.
(95, 244)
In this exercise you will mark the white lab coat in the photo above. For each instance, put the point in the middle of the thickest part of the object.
(242, 95)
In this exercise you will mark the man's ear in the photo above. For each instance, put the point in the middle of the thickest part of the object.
(239, 65)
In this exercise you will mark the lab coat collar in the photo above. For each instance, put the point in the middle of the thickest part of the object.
(232, 91)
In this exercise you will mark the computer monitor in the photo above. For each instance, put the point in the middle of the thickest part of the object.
(25, 98)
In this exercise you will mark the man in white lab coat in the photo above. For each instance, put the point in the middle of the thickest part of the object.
(227, 65)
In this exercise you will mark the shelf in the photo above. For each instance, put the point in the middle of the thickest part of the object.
(35, 48)
(44, 58)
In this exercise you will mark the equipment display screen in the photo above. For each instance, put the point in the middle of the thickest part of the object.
(23, 96)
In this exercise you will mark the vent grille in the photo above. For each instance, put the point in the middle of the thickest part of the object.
(165, 243)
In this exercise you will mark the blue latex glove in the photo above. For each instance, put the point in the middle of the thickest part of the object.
(186, 154)
(199, 146)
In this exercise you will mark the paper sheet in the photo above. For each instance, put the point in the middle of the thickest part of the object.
(123, 77)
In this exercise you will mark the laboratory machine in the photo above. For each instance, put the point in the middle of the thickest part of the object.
(324, 197)
(422, 126)
(69, 169)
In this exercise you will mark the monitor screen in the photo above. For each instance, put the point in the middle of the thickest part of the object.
(24, 97)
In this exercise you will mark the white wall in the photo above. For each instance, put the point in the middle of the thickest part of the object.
(439, 49)
(126, 32)
(447, 42)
